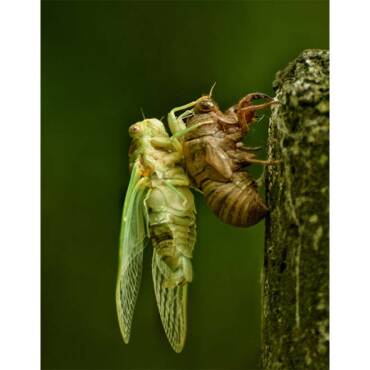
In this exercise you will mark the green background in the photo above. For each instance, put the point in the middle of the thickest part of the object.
(102, 62)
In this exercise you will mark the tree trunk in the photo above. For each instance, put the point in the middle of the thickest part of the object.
(296, 265)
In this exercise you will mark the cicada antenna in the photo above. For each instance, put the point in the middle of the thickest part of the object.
(142, 113)
(212, 88)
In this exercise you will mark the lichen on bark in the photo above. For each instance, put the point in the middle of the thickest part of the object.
(296, 264)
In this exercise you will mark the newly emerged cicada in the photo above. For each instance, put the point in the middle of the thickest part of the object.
(158, 206)
(215, 156)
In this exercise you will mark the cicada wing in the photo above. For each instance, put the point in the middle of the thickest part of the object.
(171, 304)
(133, 238)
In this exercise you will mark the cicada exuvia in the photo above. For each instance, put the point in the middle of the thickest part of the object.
(215, 155)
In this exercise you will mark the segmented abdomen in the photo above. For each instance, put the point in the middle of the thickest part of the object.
(236, 202)
(174, 243)
(173, 234)
(172, 231)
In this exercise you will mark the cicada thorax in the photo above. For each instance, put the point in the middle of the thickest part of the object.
(215, 161)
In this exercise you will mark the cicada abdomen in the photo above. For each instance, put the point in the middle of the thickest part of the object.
(173, 234)
(236, 202)
(159, 206)
(215, 157)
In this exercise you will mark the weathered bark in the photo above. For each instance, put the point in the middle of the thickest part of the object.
(296, 266)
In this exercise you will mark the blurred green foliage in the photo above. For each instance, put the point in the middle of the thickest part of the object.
(101, 62)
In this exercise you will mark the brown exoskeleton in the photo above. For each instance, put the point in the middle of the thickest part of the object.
(215, 155)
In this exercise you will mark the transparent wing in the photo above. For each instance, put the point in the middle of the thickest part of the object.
(132, 241)
(171, 304)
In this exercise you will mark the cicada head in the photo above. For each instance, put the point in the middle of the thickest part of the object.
(205, 104)
(148, 127)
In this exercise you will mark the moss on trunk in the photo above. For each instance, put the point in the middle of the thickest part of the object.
(296, 266)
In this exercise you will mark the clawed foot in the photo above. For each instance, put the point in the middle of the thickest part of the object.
(261, 180)
(246, 110)
(268, 162)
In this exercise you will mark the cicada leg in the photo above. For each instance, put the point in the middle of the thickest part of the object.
(176, 123)
(260, 181)
(246, 110)
(169, 184)
(245, 157)
(267, 162)
(241, 146)
(188, 129)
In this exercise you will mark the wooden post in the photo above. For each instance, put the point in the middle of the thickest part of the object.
(296, 265)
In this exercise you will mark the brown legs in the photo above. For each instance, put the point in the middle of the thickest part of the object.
(263, 162)
(246, 110)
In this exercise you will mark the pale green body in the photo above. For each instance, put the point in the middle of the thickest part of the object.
(163, 209)
(172, 231)
(169, 204)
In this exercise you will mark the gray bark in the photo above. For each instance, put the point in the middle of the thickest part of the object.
(296, 266)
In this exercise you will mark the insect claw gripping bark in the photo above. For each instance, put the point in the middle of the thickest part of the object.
(215, 156)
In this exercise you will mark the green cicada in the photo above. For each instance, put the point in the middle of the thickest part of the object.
(158, 206)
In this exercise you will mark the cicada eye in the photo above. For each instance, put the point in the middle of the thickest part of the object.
(135, 130)
(205, 105)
